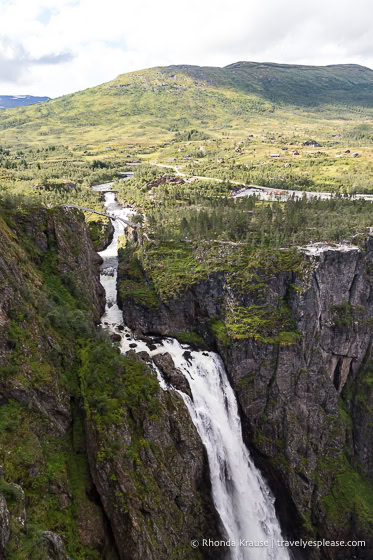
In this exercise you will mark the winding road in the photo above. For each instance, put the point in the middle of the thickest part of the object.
(266, 193)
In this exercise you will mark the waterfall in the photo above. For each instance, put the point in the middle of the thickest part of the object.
(241, 496)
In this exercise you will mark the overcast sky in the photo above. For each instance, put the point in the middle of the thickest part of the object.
(53, 47)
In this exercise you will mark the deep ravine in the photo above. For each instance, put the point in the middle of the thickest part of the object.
(241, 496)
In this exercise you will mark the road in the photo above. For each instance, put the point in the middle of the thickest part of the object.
(266, 193)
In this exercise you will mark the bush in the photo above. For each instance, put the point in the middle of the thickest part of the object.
(10, 492)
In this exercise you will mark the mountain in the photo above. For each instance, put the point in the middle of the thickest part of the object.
(155, 101)
(341, 84)
(97, 459)
(11, 101)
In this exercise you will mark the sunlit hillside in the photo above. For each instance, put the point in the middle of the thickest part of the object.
(158, 102)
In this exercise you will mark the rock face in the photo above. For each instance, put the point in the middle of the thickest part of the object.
(56, 548)
(101, 233)
(4, 525)
(155, 489)
(49, 295)
(104, 456)
(306, 399)
(173, 376)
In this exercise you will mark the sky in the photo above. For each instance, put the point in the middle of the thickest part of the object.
(55, 47)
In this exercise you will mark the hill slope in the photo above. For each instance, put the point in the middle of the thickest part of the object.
(167, 99)
(11, 101)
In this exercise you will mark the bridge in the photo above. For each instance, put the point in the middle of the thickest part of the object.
(131, 224)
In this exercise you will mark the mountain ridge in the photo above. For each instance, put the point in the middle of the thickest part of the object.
(181, 97)
(12, 101)
(304, 66)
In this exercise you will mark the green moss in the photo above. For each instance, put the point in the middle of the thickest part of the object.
(110, 383)
(99, 231)
(281, 462)
(10, 492)
(132, 282)
(267, 324)
(307, 524)
(137, 444)
(173, 266)
(42, 463)
(220, 331)
(247, 382)
(351, 493)
(141, 293)
(190, 337)
(344, 414)
(287, 338)
(345, 314)
(49, 321)
(7, 371)
(129, 265)
(252, 268)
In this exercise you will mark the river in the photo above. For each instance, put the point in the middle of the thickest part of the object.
(241, 496)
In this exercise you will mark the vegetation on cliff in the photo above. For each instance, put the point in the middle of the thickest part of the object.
(87, 439)
(80, 424)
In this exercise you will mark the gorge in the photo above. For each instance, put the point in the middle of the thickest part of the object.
(201, 387)
(241, 496)
(118, 458)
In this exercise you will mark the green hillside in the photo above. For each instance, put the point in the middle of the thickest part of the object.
(159, 101)
(348, 85)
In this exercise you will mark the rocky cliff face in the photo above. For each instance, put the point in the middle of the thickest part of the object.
(97, 462)
(151, 471)
(297, 346)
(49, 291)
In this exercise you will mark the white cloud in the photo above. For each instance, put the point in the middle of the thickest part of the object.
(61, 46)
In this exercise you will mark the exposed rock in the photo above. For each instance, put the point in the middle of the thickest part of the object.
(131, 234)
(55, 546)
(109, 271)
(49, 293)
(304, 402)
(155, 486)
(4, 525)
(172, 375)
(165, 180)
(79, 260)
(115, 337)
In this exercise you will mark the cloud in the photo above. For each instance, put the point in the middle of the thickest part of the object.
(15, 60)
(53, 59)
(73, 44)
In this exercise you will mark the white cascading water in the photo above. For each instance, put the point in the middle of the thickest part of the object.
(241, 496)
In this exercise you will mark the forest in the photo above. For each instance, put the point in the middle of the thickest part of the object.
(204, 210)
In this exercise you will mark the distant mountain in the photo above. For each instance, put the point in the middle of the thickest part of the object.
(10, 101)
(151, 103)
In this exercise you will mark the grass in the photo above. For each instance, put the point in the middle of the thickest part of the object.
(141, 294)
(190, 337)
(352, 493)
(111, 383)
(132, 282)
(265, 323)
(231, 112)
(196, 231)
(219, 329)
(174, 266)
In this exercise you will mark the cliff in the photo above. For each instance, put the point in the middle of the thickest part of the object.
(97, 462)
(295, 332)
